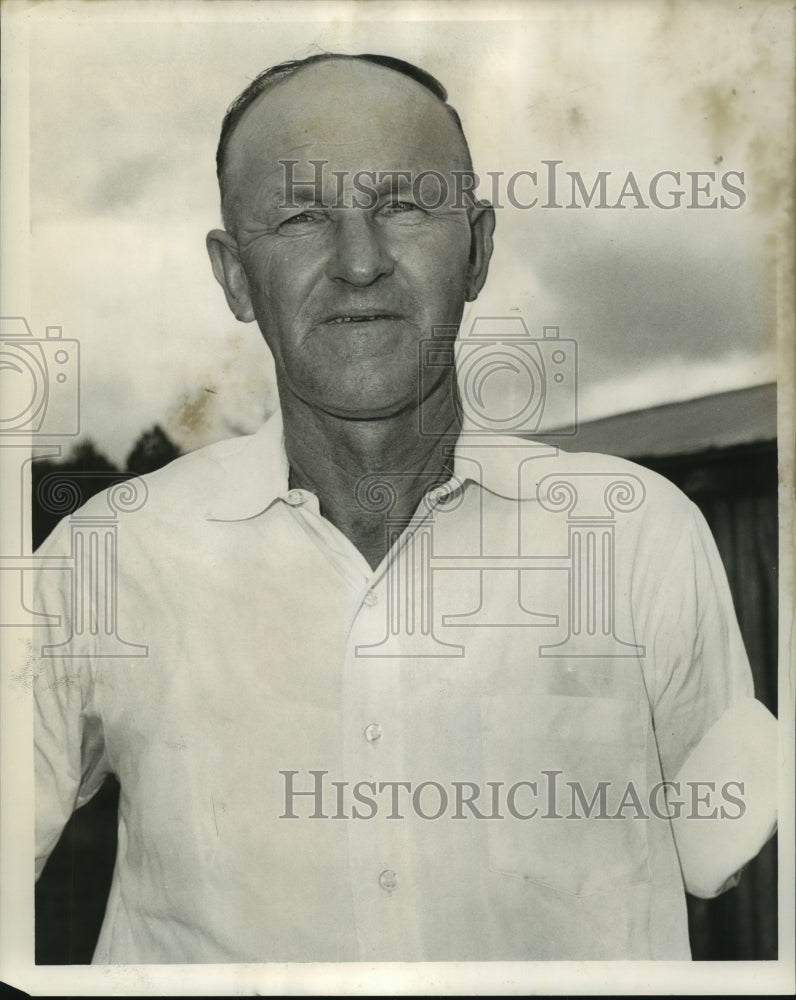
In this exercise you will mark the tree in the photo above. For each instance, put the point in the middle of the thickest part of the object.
(153, 449)
(59, 488)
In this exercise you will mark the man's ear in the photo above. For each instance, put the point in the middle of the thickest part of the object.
(482, 226)
(227, 267)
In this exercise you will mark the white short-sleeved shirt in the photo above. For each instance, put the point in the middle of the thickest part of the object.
(322, 762)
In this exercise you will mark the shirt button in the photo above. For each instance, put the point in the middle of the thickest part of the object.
(371, 598)
(373, 732)
(388, 880)
(295, 498)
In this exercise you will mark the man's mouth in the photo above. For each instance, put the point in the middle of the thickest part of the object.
(359, 318)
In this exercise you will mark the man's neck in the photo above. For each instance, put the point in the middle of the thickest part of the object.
(370, 475)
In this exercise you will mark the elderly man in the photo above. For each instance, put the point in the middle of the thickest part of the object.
(379, 688)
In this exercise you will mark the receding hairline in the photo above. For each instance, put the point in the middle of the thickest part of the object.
(270, 79)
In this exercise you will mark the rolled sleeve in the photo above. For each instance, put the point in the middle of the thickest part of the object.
(69, 758)
(700, 664)
(712, 734)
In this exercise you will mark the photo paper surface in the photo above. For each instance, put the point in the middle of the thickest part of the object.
(397, 562)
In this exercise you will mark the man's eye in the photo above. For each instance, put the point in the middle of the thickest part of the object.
(303, 218)
(399, 207)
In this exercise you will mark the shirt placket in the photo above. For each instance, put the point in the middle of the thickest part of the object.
(377, 702)
(374, 794)
(374, 761)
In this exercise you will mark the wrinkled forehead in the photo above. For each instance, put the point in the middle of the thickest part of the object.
(353, 116)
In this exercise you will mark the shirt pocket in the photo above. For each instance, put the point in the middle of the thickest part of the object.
(567, 763)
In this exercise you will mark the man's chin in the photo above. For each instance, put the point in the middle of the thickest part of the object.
(369, 411)
(371, 400)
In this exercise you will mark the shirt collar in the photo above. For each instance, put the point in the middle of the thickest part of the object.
(253, 470)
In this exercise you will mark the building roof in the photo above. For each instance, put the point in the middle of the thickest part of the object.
(722, 420)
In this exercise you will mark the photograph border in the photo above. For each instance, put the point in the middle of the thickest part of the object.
(17, 967)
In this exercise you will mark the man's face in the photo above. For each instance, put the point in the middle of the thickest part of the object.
(345, 286)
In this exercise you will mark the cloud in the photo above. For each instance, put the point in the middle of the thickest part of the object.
(124, 122)
(123, 184)
(675, 380)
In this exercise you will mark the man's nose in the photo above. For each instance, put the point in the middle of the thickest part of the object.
(359, 255)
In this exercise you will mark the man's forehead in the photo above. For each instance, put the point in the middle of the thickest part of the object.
(353, 114)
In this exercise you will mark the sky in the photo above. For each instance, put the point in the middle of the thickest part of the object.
(125, 106)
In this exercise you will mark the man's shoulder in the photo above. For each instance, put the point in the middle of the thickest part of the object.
(190, 484)
(649, 512)
(186, 492)
(541, 471)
